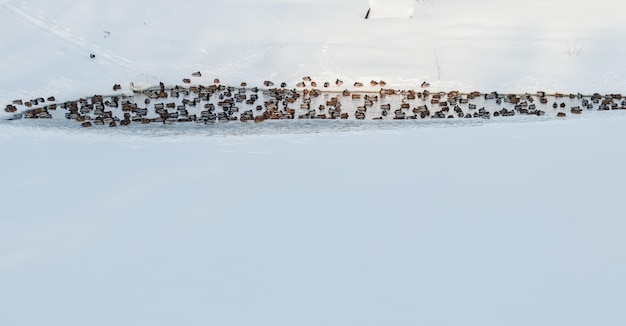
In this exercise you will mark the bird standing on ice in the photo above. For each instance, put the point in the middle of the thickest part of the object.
(139, 87)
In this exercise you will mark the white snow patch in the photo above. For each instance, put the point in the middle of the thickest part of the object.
(391, 9)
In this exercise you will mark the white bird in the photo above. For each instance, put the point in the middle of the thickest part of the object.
(140, 87)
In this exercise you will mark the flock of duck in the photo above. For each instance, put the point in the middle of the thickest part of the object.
(216, 102)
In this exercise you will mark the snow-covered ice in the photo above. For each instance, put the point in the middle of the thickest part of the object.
(503, 223)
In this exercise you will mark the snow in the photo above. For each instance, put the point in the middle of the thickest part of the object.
(502, 222)
(480, 45)
(391, 9)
